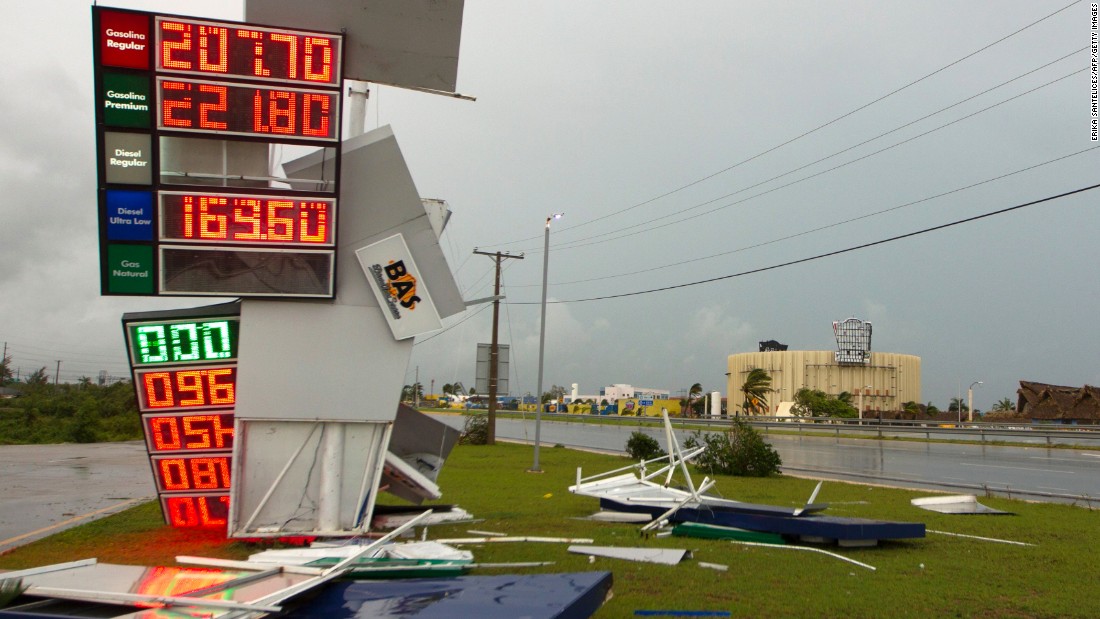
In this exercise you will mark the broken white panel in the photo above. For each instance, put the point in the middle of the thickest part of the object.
(666, 556)
(399, 288)
(379, 199)
(295, 477)
(402, 479)
(407, 43)
(955, 504)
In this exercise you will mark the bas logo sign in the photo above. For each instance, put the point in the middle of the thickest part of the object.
(402, 285)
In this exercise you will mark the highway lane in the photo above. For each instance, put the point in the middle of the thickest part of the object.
(1033, 473)
(47, 488)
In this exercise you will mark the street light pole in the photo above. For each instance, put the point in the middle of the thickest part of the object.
(970, 399)
(542, 337)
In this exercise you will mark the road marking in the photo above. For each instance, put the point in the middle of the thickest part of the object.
(124, 504)
(1020, 468)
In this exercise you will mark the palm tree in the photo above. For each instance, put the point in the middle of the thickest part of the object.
(1004, 405)
(756, 387)
(694, 393)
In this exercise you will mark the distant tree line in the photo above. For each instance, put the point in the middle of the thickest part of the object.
(67, 413)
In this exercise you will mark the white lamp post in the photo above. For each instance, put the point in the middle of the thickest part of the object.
(542, 338)
(970, 400)
(861, 392)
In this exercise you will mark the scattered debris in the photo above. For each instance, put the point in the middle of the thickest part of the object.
(642, 492)
(488, 533)
(666, 556)
(714, 566)
(682, 613)
(487, 540)
(984, 539)
(808, 549)
(956, 504)
(710, 531)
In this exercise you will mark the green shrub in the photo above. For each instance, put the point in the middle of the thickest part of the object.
(475, 431)
(739, 451)
(642, 446)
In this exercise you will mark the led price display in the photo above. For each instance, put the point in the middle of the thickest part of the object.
(184, 341)
(189, 432)
(224, 108)
(252, 52)
(196, 511)
(191, 473)
(245, 219)
(187, 388)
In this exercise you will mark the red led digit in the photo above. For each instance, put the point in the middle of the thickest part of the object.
(252, 219)
(191, 431)
(310, 101)
(160, 425)
(219, 106)
(220, 37)
(206, 218)
(182, 512)
(222, 392)
(188, 217)
(173, 473)
(169, 107)
(204, 474)
(279, 113)
(318, 54)
(318, 212)
(157, 383)
(223, 436)
(291, 42)
(279, 228)
(204, 510)
(180, 43)
(191, 382)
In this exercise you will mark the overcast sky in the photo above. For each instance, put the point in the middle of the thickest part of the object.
(684, 142)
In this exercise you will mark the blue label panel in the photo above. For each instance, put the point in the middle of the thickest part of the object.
(129, 215)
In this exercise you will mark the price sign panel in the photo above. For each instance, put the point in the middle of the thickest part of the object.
(163, 81)
(184, 366)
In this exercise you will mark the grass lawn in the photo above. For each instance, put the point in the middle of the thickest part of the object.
(939, 576)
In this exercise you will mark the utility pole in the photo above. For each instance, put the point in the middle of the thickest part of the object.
(491, 437)
(56, 372)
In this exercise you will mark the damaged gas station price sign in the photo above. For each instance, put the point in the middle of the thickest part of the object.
(160, 78)
(184, 366)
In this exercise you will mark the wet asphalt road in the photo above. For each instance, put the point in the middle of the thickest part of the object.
(46, 488)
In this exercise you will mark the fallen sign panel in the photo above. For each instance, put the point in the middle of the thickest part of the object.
(666, 556)
(575, 595)
(956, 504)
(815, 528)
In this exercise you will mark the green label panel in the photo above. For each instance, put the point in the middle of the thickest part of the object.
(130, 269)
(127, 101)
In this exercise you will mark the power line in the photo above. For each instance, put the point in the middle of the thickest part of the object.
(825, 255)
(619, 234)
(820, 228)
(809, 132)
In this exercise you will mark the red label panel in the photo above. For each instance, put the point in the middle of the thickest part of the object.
(124, 40)
(191, 473)
(209, 510)
(247, 219)
(182, 432)
(251, 52)
(214, 387)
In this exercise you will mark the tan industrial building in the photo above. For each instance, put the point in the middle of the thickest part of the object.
(886, 382)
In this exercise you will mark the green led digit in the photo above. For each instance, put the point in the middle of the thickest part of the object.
(150, 340)
(215, 336)
(185, 342)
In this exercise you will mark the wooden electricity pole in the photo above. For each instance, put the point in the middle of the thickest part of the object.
(494, 355)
